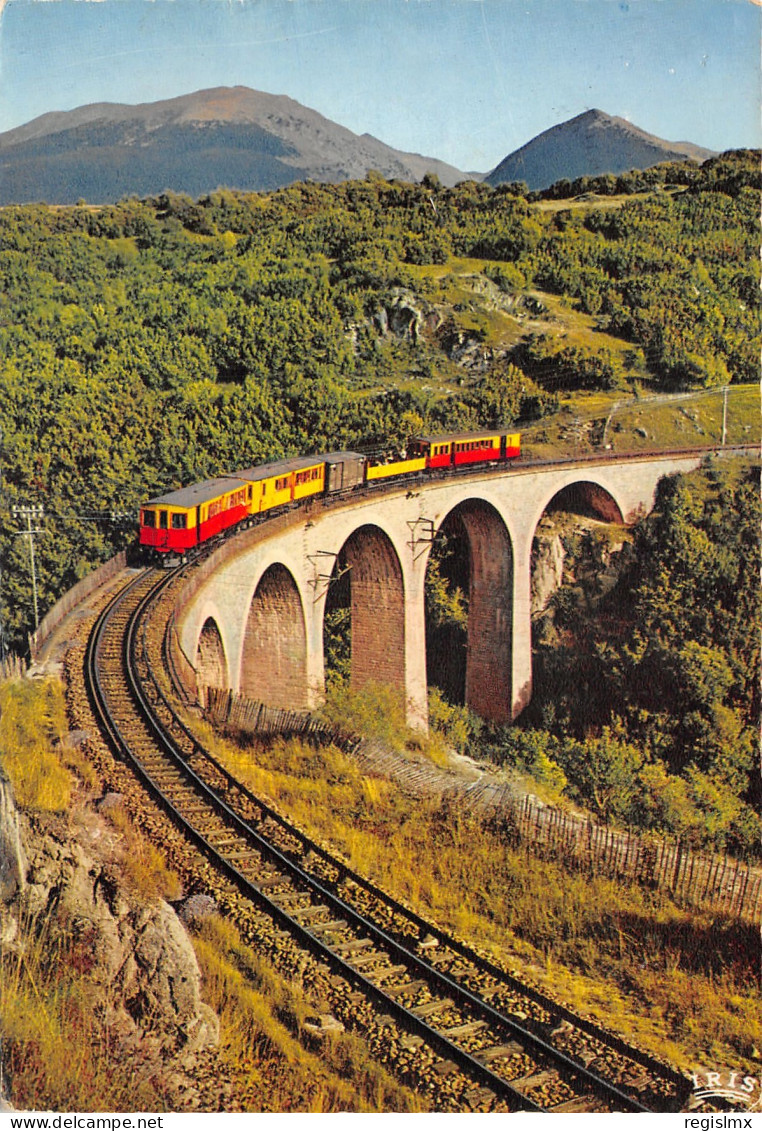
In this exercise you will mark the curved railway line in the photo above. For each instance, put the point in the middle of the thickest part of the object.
(451, 1024)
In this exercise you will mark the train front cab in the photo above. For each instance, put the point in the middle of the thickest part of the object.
(167, 529)
(173, 524)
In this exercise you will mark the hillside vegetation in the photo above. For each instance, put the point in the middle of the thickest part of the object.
(73, 1037)
(153, 343)
(682, 985)
(646, 697)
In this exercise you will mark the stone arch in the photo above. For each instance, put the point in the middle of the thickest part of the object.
(211, 662)
(489, 636)
(581, 497)
(377, 602)
(274, 656)
(582, 570)
(586, 498)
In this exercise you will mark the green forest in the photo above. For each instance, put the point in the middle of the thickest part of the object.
(153, 343)
(646, 708)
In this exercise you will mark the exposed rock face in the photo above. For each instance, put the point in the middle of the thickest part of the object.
(583, 555)
(142, 969)
(547, 570)
(407, 316)
(12, 859)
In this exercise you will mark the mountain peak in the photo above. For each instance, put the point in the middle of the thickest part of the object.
(590, 144)
(234, 136)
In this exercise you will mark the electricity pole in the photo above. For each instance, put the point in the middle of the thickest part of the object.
(724, 414)
(30, 512)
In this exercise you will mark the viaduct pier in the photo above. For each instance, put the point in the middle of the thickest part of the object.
(251, 618)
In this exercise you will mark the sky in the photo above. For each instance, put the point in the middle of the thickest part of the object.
(466, 81)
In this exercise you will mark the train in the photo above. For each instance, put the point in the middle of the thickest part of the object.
(175, 525)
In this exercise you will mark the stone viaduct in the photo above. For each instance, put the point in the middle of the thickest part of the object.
(252, 617)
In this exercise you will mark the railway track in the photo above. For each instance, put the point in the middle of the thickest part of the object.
(467, 1034)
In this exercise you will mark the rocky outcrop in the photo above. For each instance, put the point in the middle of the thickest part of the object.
(63, 876)
(547, 570)
(12, 858)
(406, 315)
(584, 556)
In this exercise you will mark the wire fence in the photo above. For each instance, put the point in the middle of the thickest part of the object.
(713, 881)
(716, 882)
(12, 667)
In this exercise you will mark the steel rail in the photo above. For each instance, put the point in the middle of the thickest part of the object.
(436, 1040)
(598, 1085)
(346, 872)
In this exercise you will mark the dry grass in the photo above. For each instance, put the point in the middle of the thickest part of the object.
(143, 869)
(32, 720)
(263, 1038)
(59, 1050)
(378, 712)
(640, 423)
(58, 1053)
(628, 956)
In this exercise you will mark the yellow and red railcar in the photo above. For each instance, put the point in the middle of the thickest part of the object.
(176, 522)
(462, 448)
(274, 484)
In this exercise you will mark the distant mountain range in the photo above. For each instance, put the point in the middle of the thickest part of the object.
(589, 145)
(249, 140)
(228, 136)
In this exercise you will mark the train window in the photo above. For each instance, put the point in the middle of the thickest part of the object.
(163, 520)
(281, 484)
(149, 518)
(179, 521)
(248, 493)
